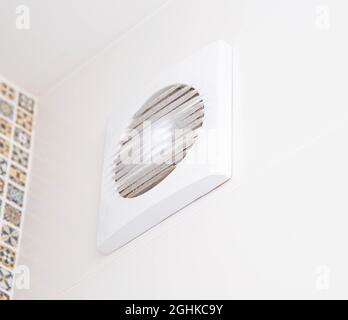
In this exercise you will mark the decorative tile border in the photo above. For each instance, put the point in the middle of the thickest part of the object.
(2, 187)
(7, 257)
(26, 103)
(4, 147)
(6, 109)
(15, 195)
(4, 296)
(5, 128)
(22, 138)
(7, 91)
(3, 167)
(17, 175)
(24, 120)
(12, 215)
(17, 111)
(6, 279)
(20, 156)
(9, 235)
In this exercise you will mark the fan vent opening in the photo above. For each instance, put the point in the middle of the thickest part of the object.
(157, 139)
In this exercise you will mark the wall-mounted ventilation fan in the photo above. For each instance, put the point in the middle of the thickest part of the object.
(176, 148)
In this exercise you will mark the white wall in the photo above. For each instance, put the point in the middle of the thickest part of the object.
(266, 233)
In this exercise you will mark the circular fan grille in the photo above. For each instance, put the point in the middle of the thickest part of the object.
(158, 139)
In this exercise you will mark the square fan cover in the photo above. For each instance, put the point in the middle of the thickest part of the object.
(194, 96)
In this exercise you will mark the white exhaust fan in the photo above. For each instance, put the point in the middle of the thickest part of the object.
(176, 148)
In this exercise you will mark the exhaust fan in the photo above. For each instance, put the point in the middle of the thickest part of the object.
(176, 148)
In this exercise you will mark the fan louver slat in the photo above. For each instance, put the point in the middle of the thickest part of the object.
(157, 140)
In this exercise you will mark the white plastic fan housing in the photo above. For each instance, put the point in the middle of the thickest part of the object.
(192, 96)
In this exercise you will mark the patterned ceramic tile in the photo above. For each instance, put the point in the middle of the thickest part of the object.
(5, 128)
(16, 125)
(20, 156)
(15, 195)
(6, 279)
(22, 138)
(17, 175)
(3, 167)
(2, 186)
(7, 257)
(4, 296)
(25, 120)
(6, 109)
(4, 147)
(9, 236)
(7, 91)
(26, 103)
(12, 215)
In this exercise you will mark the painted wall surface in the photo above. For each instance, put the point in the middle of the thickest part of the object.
(278, 229)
